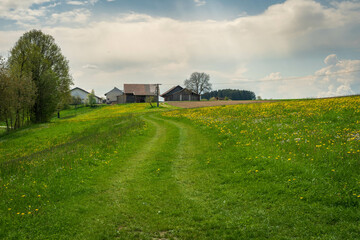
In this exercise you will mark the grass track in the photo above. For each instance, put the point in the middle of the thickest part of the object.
(150, 194)
(159, 177)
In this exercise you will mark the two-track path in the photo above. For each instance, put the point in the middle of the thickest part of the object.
(156, 193)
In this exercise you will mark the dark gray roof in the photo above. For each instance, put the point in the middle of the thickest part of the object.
(171, 89)
(115, 89)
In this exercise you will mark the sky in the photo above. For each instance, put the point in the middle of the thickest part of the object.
(275, 48)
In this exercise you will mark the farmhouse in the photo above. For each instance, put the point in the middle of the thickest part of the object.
(179, 93)
(111, 97)
(82, 94)
(137, 93)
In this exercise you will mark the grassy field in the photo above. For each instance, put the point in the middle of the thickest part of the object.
(283, 170)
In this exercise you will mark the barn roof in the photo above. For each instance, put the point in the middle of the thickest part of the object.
(140, 89)
(181, 90)
(171, 89)
(115, 89)
(186, 89)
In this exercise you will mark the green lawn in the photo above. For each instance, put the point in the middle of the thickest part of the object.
(285, 170)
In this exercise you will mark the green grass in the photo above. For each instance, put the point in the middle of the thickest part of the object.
(257, 171)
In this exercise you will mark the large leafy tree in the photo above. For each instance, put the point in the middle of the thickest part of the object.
(199, 83)
(37, 55)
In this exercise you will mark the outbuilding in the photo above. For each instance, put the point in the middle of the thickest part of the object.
(137, 93)
(111, 96)
(179, 93)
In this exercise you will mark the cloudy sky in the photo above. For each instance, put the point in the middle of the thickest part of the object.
(276, 48)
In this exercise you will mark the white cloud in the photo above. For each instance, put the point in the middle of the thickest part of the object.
(90, 66)
(139, 47)
(92, 2)
(138, 38)
(19, 4)
(76, 16)
(338, 78)
(20, 11)
(199, 3)
(331, 60)
(333, 91)
(76, 3)
(273, 76)
(342, 77)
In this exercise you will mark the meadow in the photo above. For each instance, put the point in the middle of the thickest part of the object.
(281, 170)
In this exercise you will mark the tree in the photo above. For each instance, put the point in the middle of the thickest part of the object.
(199, 83)
(36, 55)
(150, 100)
(17, 97)
(76, 101)
(91, 99)
(233, 94)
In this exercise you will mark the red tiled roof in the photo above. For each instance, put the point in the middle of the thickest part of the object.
(140, 89)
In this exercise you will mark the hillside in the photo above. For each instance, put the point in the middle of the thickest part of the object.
(279, 170)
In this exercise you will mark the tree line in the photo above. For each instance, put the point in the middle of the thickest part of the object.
(233, 94)
(200, 83)
(34, 81)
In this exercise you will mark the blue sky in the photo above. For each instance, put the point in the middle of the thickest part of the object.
(278, 49)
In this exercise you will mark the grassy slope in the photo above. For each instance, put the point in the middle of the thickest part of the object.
(213, 173)
(288, 169)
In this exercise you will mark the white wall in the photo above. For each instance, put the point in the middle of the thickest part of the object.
(78, 93)
(112, 96)
(83, 95)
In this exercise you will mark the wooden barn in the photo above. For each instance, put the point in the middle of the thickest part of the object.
(137, 93)
(179, 93)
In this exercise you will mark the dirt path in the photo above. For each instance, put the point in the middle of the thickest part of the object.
(198, 104)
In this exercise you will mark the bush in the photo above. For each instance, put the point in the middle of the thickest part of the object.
(150, 100)
(212, 99)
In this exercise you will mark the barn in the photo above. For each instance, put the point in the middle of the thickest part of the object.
(179, 93)
(137, 93)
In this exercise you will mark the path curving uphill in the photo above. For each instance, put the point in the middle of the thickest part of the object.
(159, 196)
